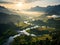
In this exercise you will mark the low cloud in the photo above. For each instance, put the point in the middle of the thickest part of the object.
(53, 16)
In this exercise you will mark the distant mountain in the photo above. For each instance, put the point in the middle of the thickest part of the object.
(37, 8)
(6, 17)
(3, 9)
(6, 10)
(53, 10)
(49, 9)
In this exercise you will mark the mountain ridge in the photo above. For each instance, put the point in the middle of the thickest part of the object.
(5, 17)
(49, 9)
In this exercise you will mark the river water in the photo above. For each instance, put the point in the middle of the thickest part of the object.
(11, 38)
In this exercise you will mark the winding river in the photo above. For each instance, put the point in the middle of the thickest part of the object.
(11, 38)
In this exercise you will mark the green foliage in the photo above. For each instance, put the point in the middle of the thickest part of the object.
(27, 40)
(7, 30)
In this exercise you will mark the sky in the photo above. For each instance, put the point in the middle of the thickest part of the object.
(26, 4)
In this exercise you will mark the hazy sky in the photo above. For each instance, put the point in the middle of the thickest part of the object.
(28, 3)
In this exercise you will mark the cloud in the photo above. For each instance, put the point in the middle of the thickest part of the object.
(53, 16)
(13, 1)
(28, 1)
(5, 1)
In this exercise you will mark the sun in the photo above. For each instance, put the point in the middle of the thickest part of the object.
(20, 5)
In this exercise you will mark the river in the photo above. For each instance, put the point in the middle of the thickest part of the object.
(11, 38)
